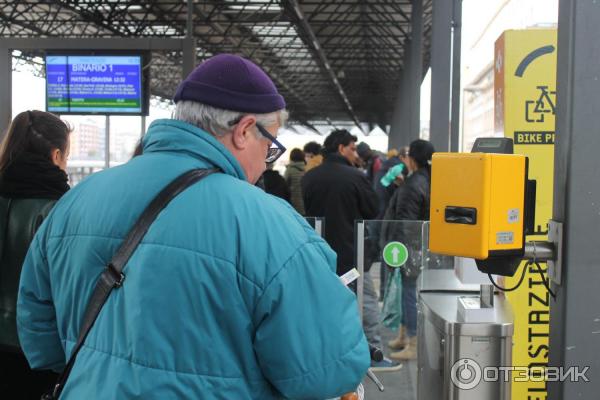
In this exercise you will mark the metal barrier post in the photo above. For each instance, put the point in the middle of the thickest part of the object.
(360, 263)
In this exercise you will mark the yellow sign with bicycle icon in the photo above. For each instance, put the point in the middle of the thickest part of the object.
(525, 108)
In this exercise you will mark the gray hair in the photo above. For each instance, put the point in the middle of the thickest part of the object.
(216, 121)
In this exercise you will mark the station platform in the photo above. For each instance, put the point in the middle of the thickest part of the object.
(400, 384)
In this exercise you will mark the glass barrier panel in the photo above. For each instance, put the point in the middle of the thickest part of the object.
(433, 260)
(317, 223)
(391, 256)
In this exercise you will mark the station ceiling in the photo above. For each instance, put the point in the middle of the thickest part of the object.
(332, 60)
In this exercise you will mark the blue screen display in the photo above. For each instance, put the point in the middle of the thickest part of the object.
(94, 84)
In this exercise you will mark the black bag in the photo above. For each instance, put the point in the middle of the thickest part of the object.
(113, 276)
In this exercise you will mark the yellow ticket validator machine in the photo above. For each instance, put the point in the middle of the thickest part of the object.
(480, 208)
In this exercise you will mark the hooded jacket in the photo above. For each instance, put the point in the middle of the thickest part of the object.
(230, 295)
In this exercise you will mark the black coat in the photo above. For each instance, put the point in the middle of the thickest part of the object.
(385, 193)
(19, 220)
(341, 194)
(410, 202)
(275, 184)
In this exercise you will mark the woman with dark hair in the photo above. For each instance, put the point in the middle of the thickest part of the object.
(293, 176)
(410, 202)
(312, 155)
(33, 159)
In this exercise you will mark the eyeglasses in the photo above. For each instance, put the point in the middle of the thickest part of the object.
(274, 152)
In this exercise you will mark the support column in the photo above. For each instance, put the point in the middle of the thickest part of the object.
(189, 57)
(441, 48)
(415, 75)
(398, 132)
(575, 315)
(189, 43)
(406, 121)
(5, 89)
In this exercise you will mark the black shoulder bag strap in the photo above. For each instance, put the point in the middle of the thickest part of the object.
(112, 277)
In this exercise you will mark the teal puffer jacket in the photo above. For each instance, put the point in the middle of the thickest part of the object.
(230, 295)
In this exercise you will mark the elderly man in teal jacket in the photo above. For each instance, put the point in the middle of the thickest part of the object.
(230, 295)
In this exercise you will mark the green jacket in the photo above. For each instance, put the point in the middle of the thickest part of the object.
(293, 175)
(19, 220)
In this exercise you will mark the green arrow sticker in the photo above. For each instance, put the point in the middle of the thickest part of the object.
(395, 254)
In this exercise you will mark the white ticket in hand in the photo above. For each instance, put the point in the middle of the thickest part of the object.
(349, 276)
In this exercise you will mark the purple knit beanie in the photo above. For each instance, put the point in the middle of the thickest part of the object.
(233, 83)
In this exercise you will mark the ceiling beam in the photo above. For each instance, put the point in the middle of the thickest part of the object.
(293, 7)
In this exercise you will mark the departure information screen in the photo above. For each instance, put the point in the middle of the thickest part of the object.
(94, 84)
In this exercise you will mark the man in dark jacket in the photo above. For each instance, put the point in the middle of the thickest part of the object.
(341, 193)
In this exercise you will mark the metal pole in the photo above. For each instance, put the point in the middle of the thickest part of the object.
(360, 261)
(107, 142)
(58, 43)
(143, 132)
(574, 316)
(455, 103)
(539, 251)
(5, 89)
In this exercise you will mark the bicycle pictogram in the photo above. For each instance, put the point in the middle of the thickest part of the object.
(535, 110)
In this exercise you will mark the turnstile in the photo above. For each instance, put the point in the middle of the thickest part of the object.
(459, 360)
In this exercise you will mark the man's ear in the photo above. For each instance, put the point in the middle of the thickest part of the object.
(341, 148)
(56, 156)
(242, 131)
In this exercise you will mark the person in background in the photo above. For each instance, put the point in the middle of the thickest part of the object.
(390, 181)
(293, 177)
(403, 154)
(275, 184)
(312, 155)
(339, 192)
(33, 160)
(371, 161)
(410, 202)
(390, 176)
(230, 294)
